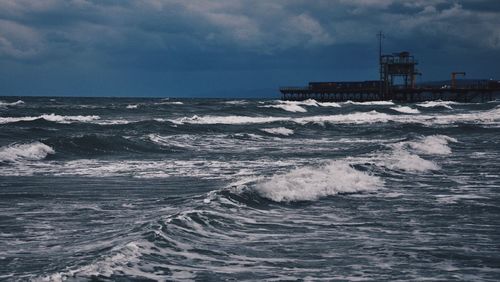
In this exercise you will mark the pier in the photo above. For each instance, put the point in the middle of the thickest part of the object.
(398, 73)
(474, 93)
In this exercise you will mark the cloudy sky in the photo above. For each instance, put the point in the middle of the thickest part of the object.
(238, 48)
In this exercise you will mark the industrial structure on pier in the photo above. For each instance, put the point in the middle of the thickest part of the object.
(398, 75)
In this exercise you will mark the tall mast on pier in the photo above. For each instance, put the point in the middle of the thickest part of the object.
(380, 36)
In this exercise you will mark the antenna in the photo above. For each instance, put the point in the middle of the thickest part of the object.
(380, 36)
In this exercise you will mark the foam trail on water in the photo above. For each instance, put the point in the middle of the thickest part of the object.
(406, 110)
(278, 130)
(312, 183)
(31, 151)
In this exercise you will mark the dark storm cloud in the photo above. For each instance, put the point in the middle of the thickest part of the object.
(145, 36)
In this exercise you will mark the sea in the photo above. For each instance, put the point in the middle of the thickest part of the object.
(152, 189)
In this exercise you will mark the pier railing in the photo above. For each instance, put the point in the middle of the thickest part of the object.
(293, 88)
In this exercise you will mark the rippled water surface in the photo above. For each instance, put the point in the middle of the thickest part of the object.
(165, 189)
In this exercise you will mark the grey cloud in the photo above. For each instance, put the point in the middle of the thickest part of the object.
(259, 26)
(123, 36)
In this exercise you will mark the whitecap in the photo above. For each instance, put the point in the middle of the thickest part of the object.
(405, 110)
(372, 103)
(490, 117)
(287, 107)
(31, 151)
(227, 120)
(308, 102)
(5, 104)
(312, 183)
(434, 144)
(330, 104)
(438, 103)
(278, 130)
(50, 117)
(404, 160)
(236, 102)
(132, 106)
(170, 103)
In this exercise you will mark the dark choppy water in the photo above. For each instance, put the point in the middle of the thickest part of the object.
(260, 190)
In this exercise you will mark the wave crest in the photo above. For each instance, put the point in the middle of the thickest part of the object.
(404, 160)
(32, 151)
(50, 117)
(287, 107)
(434, 144)
(405, 110)
(278, 130)
(312, 183)
(433, 104)
(6, 104)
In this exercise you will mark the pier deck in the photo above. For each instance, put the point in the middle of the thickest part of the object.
(418, 94)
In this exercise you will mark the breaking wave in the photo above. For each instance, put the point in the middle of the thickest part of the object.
(50, 117)
(32, 151)
(372, 103)
(405, 110)
(287, 107)
(312, 183)
(405, 156)
(236, 102)
(170, 103)
(435, 144)
(432, 104)
(485, 117)
(6, 104)
(403, 160)
(311, 102)
(278, 130)
(330, 104)
(308, 102)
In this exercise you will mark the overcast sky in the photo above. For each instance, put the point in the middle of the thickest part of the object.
(233, 48)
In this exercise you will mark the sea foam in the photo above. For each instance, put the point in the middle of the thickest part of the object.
(404, 160)
(287, 107)
(489, 117)
(278, 130)
(405, 110)
(5, 104)
(371, 103)
(312, 183)
(50, 117)
(31, 151)
(439, 103)
(434, 144)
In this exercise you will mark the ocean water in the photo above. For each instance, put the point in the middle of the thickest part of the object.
(211, 190)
